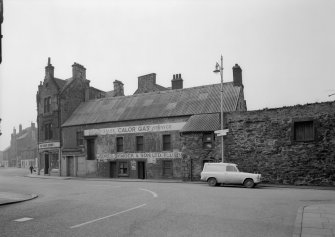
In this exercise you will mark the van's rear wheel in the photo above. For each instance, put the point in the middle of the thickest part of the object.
(212, 182)
(249, 183)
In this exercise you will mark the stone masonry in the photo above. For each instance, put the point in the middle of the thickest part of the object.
(263, 141)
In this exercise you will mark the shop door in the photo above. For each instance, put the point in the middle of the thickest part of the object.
(46, 164)
(141, 169)
(113, 170)
(70, 166)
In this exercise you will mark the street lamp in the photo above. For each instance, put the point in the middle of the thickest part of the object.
(219, 68)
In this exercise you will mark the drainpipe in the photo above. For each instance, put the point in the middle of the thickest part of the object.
(60, 134)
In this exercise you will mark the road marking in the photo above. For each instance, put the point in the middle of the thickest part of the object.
(118, 213)
(24, 219)
(153, 193)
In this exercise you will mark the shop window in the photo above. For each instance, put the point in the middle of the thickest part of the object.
(119, 144)
(80, 138)
(47, 104)
(166, 142)
(90, 149)
(167, 168)
(207, 141)
(304, 131)
(139, 143)
(123, 168)
(48, 131)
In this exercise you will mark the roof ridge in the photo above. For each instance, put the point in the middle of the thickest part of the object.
(161, 92)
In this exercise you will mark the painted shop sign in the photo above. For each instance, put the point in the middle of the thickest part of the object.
(49, 145)
(150, 156)
(135, 129)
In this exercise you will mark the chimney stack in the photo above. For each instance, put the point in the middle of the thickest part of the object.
(147, 83)
(177, 82)
(78, 71)
(49, 70)
(118, 88)
(237, 75)
(20, 128)
(32, 125)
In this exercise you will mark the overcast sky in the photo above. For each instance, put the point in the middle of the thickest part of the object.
(286, 48)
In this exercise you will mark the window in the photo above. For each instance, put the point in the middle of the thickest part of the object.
(48, 131)
(80, 138)
(139, 143)
(207, 141)
(90, 149)
(231, 168)
(123, 168)
(166, 142)
(303, 131)
(167, 168)
(47, 104)
(119, 144)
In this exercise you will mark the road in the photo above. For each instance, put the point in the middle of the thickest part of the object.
(81, 207)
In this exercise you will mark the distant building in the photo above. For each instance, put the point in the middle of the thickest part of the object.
(23, 146)
(145, 135)
(56, 100)
(6, 157)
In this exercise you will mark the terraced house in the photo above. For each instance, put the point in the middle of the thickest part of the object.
(156, 133)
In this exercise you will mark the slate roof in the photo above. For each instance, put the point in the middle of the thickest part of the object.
(60, 82)
(202, 123)
(170, 103)
(63, 84)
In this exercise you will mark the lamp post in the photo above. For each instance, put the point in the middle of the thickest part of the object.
(219, 68)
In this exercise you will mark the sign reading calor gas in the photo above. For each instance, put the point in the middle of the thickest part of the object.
(135, 129)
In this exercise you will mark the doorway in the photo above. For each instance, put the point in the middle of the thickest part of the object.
(113, 170)
(46, 163)
(141, 169)
(70, 166)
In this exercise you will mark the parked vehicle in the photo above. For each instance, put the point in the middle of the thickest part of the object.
(227, 173)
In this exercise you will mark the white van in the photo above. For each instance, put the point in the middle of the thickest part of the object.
(228, 173)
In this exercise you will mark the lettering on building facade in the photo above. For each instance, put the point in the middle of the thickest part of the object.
(150, 156)
(49, 145)
(135, 129)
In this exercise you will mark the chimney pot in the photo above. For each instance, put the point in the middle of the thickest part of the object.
(49, 70)
(177, 82)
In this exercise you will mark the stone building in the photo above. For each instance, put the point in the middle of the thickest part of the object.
(56, 100)
(23, 146)
(156, 133)
(289, 145)
(6, 153)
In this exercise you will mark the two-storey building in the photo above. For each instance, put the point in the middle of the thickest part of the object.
(156, 133)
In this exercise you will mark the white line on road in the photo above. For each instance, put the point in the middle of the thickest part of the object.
(88, 222)
(153, 193)
(24, 219)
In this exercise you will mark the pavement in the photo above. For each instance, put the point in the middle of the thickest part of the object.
(312, 221)
(13, 197)
(315, 221)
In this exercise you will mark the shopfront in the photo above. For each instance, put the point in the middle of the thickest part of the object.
(49, 158)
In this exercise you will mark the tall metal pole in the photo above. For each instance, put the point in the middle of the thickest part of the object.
(221, 74)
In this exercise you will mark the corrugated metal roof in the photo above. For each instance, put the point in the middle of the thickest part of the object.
(134, 107)
(202, 123)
